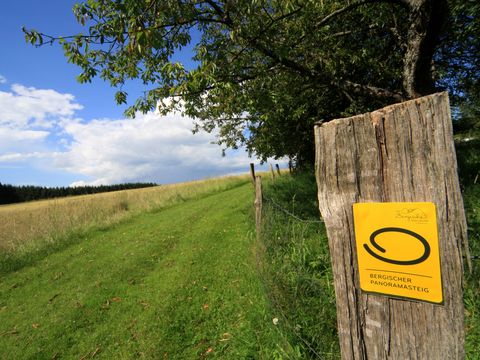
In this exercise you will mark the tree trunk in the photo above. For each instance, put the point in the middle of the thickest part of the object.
(402, 153)
(426, 19)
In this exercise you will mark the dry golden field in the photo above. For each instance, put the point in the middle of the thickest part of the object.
(47, 220)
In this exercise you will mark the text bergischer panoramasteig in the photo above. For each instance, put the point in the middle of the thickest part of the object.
(401, 282)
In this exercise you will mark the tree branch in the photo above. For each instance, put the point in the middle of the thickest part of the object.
(352, 6)
(271, 54)
(360, 89)
(223, 14)
(94, 38)
(349, 32)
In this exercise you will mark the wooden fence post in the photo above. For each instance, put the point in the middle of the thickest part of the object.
(252, 172)
(278, 169)
(272, 172)
(258, 206)
(402, 153)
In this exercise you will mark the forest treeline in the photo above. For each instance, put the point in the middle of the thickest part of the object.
(10, 194)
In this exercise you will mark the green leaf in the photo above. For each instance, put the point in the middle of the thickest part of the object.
(121, 97)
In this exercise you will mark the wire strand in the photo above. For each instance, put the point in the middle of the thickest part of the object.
(290, 213)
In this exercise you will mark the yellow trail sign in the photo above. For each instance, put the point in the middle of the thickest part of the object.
(397, 250)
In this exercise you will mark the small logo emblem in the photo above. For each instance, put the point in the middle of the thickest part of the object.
(413, 215)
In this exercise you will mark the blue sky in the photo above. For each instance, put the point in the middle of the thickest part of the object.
(57, 132)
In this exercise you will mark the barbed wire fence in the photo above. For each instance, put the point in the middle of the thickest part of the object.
(288, 213)
(266, 204)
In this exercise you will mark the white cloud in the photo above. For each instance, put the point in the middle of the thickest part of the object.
(28, 115)
(147, 148)
(19, 140)
(15, 135)
(28, 107)
(36, 123)
(3, 80)
(19, 157)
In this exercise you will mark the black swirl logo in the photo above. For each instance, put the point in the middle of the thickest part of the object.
(426, 246)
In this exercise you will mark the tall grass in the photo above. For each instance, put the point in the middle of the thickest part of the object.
(469, 171)
(47, 224)
(295, 265)
(472, 279)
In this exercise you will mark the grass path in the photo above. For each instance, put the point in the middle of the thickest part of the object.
(180, 283)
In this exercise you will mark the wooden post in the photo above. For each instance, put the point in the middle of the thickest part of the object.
(402, 153)
(252, 172)
(272, 172)
(258, 206)
(278, 169)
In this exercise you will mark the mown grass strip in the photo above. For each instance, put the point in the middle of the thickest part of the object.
(27, 226)
(44, 227)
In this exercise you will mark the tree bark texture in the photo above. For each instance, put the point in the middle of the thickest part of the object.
(402, 153)
(426, 19)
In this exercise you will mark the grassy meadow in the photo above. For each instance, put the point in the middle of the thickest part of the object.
(296, 268)
(177, 282)
(39, 223)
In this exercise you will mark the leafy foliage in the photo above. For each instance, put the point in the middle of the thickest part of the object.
(266, 70)
(457, 59)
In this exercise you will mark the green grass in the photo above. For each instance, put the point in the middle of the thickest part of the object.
(469, 172)
(28, 226)
(472, 280)
(296, 267)
(180, 283)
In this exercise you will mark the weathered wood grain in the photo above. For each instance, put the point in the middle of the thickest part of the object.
(272, 173)
(402, 153)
